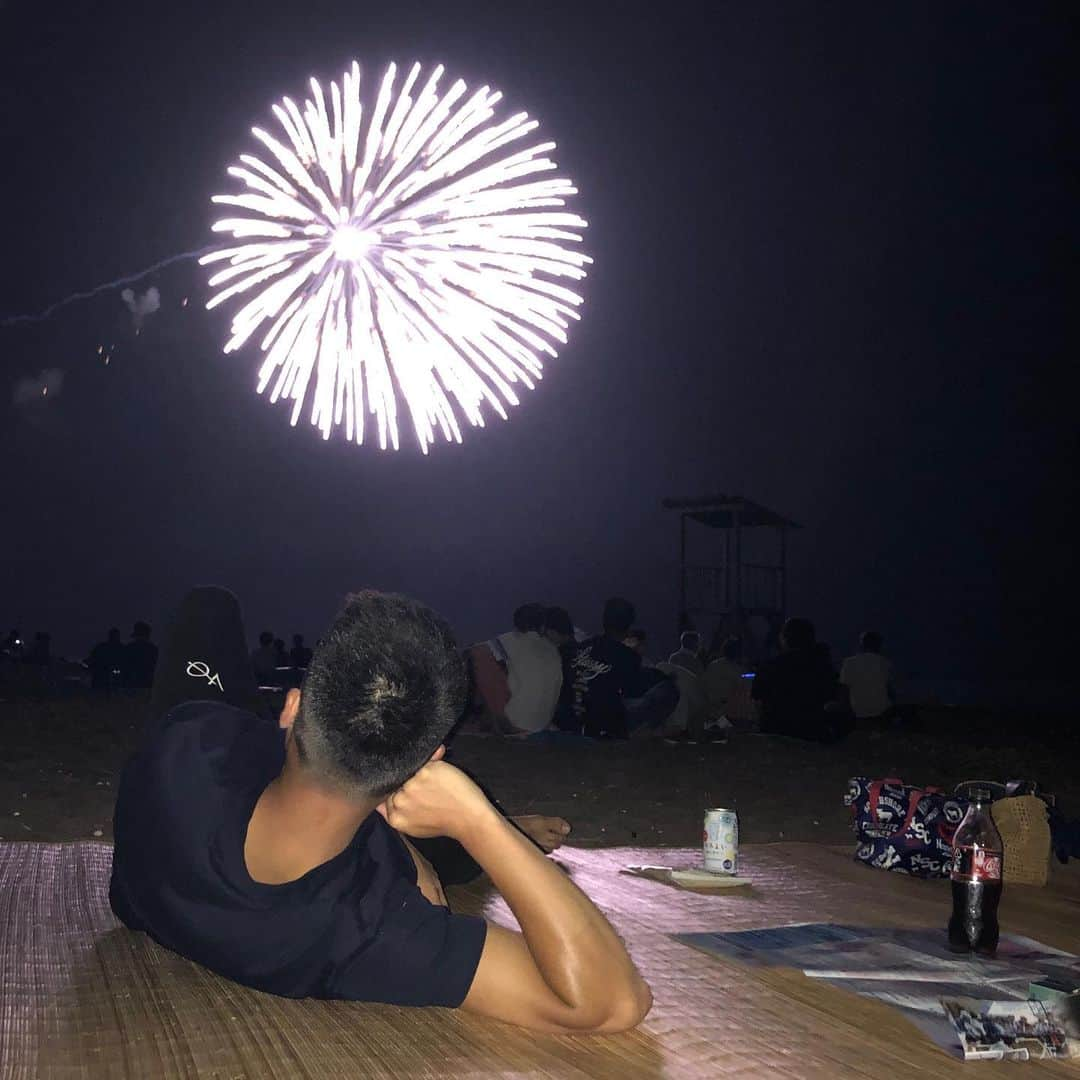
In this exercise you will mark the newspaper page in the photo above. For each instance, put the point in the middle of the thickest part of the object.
(911, 970)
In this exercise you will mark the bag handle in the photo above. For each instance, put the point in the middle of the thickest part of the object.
(913, 804)
(875, 792)
(913, 801)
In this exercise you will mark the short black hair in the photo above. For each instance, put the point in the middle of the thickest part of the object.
(871, 641)
(558, 619)
(266, 637)
(731, 648)
(529, 617)
(384, 687)
(690, 639)
(619, 616)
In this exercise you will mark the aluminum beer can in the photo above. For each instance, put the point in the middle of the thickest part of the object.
(721, 841)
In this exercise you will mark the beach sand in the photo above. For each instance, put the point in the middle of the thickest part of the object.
(62, 758)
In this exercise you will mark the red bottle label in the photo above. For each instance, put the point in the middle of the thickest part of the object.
(976, 864)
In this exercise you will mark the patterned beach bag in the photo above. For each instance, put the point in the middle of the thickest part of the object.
(906, 829)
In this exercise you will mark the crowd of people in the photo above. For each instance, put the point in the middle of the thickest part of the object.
(545, 676)
(802, 695)
(114, 664)
(111, 664)
(277, 667)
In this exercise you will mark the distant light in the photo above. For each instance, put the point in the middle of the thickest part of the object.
(183, 303)
(44, 391)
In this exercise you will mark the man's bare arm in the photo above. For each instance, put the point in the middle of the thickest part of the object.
(568, 971)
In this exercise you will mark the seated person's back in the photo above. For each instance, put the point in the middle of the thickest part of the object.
(140, 658)
(606, 671)
(534, 671)
(723, 676)
(106, 661)
(795, 687)
(868, 678)
(686, 656)
(264, 660)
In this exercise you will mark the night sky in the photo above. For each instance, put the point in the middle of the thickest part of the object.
(832, 245)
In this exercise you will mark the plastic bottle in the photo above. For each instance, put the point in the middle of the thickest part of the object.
(976, 880)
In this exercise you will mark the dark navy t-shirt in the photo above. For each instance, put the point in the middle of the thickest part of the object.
(356, 927)
(605, 673)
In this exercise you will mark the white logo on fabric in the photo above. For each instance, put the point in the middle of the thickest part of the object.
(588, 667)
(199, 669)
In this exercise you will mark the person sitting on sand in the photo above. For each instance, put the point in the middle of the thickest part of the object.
(264, 659)
(795, 687)
(140, 658)
(106, 661)
(724, 677)
(288, 857)
(534, 672)
(610, 694)
(299, 654)
(869, 680)
(687, 655)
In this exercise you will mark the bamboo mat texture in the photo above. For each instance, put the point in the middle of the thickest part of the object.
(82, 998)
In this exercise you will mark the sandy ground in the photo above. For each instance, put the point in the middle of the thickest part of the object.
(62, 758)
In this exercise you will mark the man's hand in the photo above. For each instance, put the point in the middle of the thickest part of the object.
(440, 800)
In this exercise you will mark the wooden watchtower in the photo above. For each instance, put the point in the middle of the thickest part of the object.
(738, 578)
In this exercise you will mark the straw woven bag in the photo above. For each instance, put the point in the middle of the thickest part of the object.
(1025, 834)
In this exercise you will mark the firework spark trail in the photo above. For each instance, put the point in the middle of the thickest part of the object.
(401, 253)
(41, 316)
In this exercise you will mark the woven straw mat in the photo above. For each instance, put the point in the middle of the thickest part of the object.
(81, 997)
(1025, 833)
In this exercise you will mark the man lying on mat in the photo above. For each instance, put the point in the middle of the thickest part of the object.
(282, 862)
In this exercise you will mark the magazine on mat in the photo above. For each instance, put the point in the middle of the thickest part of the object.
(1007, 1030)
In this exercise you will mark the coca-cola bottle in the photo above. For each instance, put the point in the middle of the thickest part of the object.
(976, 880)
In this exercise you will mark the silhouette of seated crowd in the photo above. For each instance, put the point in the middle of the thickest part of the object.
(546, 678)
(278, 669)
(113, 663)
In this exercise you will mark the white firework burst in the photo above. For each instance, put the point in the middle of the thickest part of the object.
(407, 254)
